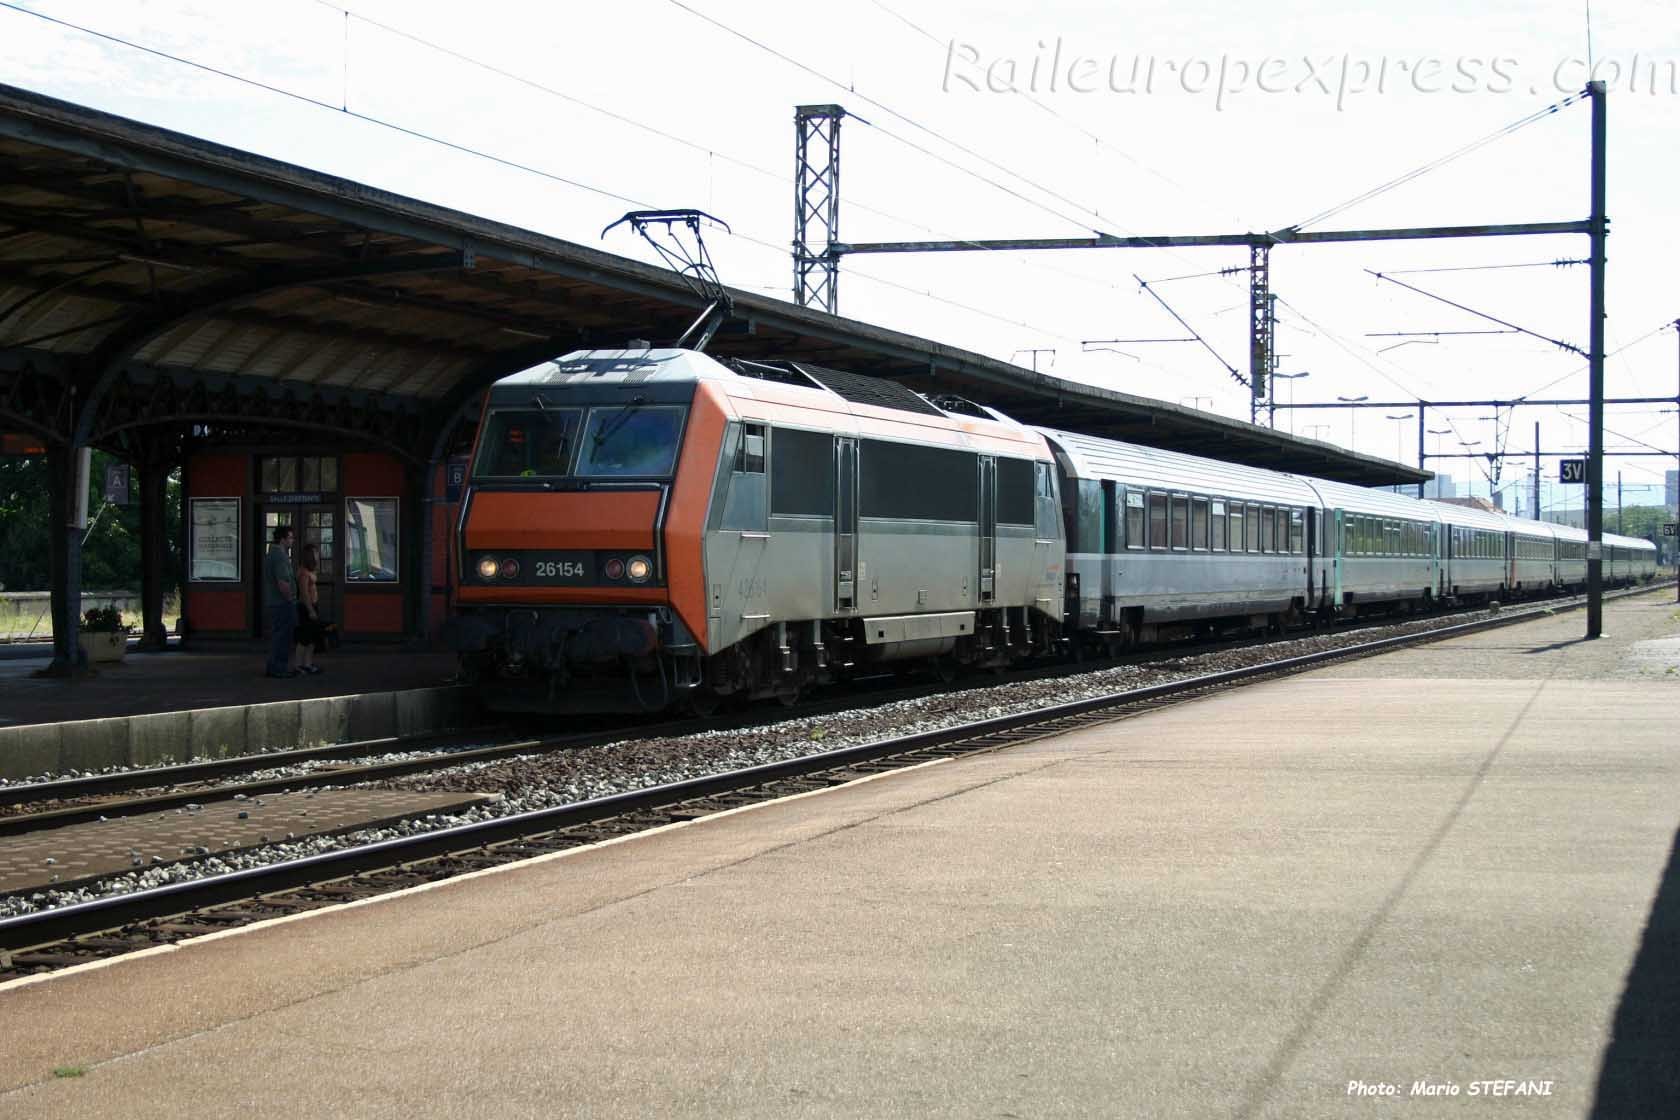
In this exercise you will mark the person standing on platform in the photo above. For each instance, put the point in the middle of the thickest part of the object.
(280, 591)
(308, 610)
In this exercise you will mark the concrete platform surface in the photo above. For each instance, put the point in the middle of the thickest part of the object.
(177, 680)
(1277, 902)
(156, 708)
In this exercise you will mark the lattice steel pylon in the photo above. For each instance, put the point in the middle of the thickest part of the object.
(1262, 320)
(816, 206)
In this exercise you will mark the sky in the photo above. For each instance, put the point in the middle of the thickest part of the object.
(993, 120)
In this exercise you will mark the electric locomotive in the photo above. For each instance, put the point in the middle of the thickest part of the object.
(648, 527)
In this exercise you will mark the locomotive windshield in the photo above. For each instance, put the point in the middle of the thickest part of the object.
(617, 441)
(630, 441)
(528, 443)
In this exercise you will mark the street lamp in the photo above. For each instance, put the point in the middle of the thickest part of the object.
(1438, 432)
(1400, 433)
(1291, 378)
(1467, 445)
(1352, 413)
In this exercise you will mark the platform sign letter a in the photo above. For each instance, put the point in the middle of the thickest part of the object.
(1574, 471)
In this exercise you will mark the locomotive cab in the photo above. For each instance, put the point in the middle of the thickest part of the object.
(564, 554)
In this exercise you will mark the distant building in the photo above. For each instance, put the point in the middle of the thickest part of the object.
(1441, 486)
(1671, 491)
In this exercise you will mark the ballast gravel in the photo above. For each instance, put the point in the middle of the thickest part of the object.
(525, 783)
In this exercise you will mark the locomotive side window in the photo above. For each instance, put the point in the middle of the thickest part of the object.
(527, 443)
(914, 482)
(744, 504)
(1180, 521)
(1219, 526)
(1047, 519)
(1134, 520)
(1090, 521)
(1199, 524)
(633, 441)
(1157, 521)
(801, 473)
(1014, 492)
(749, 456)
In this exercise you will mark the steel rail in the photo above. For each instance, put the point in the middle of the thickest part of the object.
(61, 923)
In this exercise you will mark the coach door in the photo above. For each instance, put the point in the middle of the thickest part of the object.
(1338, 549)
(988, 528)
(845, 522)
(1315, 519)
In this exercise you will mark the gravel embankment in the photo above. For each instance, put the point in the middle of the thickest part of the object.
(539, 781)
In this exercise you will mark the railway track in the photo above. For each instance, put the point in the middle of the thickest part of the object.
(92, 797)
(52, 939)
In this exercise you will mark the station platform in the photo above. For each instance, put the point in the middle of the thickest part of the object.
(1439, 882)
(179, 704)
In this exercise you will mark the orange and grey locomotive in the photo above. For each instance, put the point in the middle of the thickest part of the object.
(649, 527)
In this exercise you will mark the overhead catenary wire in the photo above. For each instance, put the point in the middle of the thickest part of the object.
(413, 133)
(1095, 138)
(1441, 161)
(664, 134)
(807, 68)
(1561, 263)
(304, 98)
(1561, 345)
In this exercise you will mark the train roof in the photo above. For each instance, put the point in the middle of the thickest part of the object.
(1378, 503)
(1096, 458)
(788, 384)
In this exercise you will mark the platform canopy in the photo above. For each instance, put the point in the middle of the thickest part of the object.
(152, 279)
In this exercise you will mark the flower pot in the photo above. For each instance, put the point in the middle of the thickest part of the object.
(103, 647)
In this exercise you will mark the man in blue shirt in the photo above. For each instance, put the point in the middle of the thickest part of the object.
(280, 593)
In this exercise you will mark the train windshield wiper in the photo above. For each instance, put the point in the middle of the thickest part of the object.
(616, 422)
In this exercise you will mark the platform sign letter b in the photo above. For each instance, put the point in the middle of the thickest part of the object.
(1574, 471)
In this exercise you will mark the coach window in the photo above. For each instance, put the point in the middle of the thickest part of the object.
(1251, 528)
(1134, 520)
(1297, 532)
(1282, 529)
(1157, 521)
(1199, 524)
(1218, 526)
(1236, 536)
(1180, 521)
(1268, 529)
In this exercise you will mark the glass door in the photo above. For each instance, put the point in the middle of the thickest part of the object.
(319, 528)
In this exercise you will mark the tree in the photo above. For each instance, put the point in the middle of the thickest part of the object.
(111, 546)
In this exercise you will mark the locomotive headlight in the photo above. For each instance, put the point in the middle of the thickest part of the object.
(510, 568)
(639, 569)
(487, 567)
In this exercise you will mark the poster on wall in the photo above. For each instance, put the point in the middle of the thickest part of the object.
(215, 540)
(370, 540)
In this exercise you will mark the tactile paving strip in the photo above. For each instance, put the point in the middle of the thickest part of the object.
(78, 851)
